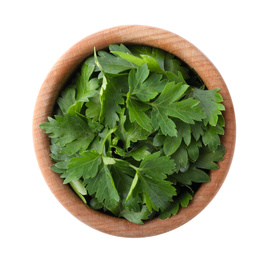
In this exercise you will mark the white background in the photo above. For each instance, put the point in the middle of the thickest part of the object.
(34, 34)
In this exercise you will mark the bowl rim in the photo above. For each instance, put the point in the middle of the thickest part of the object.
(57, 77)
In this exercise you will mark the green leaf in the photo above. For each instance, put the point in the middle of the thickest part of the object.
(136, 110)
(157, 167)
(208, 159)
(187, 110)
(86, 88)
(111, 97)
(211, 137)
(83, 88)
(150, 181)
(129, 132)
(111, 64)
(197, 129)
(124, 167)
(192, 175)
(181, 157)
(122, 180)
(177, 78)
(162, 106)
(174, 65)
(152, 63)
(210, 101)
(184, 131)
(94, 125)
(136, 217)
(93, 108)
(73, 133)
(157, 54)
(56, 152)
(165, 105)
(171, 143)
(66, 100)
(85, 166)
(182, 200)
(95, 204)
(157, 192)
(121, 48)
(139, 152)
(193, 149)
(159, 139)
(142, 85)
(103, 188)
(136, 78)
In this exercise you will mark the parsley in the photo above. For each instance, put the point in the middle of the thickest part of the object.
(135, 132)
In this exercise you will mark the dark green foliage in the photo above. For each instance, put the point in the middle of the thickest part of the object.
(136, 131)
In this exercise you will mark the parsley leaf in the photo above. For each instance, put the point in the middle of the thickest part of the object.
(113, 64)
(152, 63)
(86, 88)
(157, 193)
(136, 216)
(129, 132)
(211, 136)
(136, 110)
(210, 101)
(193, 174)
(156, 53)
(73, 133)
(171, 143)
(66, 100)
(165, 105)
(81, 89)
(157, 167)
(93, 108)
(182, 200)
(207, 158)
(110, 98)
(85, 166)
(103, 187)
(150, 181)
(142, 85)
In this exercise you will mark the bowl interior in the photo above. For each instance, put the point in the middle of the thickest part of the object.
(61, 72)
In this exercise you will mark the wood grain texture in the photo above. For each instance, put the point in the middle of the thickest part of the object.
(59, 74)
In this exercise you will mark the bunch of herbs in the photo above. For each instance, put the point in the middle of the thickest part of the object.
(135, 132)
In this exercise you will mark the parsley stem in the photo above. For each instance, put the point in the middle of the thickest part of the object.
(133, 97)
(106, 137)
(134, 167)
(129, 164)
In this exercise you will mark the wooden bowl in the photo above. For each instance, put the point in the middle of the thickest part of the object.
(57, 77)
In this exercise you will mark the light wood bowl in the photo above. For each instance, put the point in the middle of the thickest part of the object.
(57, 77)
